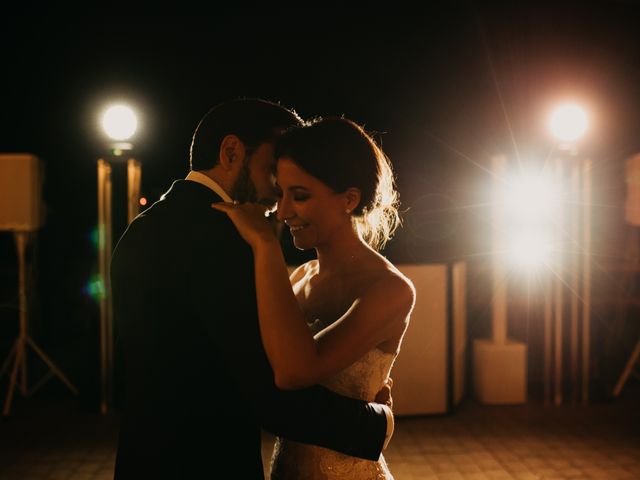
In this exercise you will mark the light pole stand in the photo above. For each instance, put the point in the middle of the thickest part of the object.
(105, 248)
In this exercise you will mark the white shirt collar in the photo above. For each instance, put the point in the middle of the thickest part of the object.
(208, 182)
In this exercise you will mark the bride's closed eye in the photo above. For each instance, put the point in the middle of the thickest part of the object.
(300, 194)
(297, 195)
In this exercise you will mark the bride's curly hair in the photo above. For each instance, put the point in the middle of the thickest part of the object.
(341, 154)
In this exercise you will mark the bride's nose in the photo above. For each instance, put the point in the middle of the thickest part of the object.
(284, 211)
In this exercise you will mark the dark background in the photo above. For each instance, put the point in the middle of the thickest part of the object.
(443, 89)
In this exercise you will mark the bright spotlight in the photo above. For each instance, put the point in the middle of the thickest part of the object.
(527, 208)
(530, 197)
(119, 122)
(568, 122)
(529, 250)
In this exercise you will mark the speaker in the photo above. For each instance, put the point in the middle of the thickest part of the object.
(21, 179)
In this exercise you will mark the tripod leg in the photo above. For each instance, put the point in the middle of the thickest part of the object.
(7, 361)
(627, 369)
(52, 366)
(23, 373)
(12, 382)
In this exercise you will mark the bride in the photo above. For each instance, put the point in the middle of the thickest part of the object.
(342, 323)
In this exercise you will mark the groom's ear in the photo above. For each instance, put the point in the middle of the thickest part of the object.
(231, 154)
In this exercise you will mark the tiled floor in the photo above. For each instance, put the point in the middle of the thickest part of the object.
(54, 439)
(529, 442)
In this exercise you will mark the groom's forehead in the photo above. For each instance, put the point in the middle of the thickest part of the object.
(263, 156)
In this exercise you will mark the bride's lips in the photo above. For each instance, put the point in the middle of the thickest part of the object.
(297, 228)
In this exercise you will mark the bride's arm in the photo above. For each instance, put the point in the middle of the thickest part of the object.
(296, 358)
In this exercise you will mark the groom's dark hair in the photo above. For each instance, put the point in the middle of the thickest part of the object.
(254, 121)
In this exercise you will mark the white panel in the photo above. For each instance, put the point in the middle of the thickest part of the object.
(420, 371)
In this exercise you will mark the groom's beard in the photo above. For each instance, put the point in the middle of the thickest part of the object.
(243, 189)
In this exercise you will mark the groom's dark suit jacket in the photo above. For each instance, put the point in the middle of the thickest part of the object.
(197, 382)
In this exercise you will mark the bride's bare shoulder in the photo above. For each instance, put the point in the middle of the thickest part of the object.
(389, 278)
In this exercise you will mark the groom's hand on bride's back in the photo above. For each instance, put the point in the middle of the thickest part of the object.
(384, 395)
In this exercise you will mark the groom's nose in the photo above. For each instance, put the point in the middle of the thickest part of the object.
(270, 202)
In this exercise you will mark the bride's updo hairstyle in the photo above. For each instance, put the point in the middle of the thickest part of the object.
(338, 152)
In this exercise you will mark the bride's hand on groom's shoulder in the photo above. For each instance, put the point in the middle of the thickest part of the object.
(250, 220)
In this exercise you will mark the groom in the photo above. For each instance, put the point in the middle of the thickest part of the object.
(197, 383)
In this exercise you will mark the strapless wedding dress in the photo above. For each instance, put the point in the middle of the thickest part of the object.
(297, 461)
